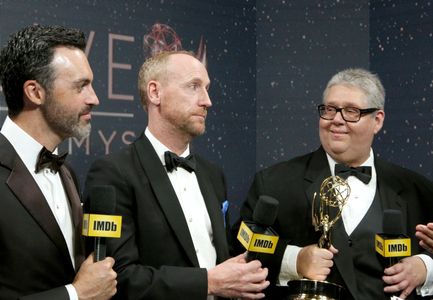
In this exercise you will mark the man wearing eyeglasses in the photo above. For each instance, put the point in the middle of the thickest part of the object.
(351, 114)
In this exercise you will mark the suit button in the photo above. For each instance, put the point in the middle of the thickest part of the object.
(350, 242)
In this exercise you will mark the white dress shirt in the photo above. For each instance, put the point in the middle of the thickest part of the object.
(49, 183)
(191, 200)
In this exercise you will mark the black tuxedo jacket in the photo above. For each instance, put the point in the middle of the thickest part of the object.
(155, 256)
(293, 183)
(34, 259)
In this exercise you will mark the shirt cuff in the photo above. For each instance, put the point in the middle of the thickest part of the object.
(427, 288)
(71, 292)
(288, 265)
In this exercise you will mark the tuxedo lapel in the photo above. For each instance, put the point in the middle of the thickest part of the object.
(76, 212)
(165, 195)
(34, 201)
(73, 197)
(390, 193)
(214, 211)
(317, 170)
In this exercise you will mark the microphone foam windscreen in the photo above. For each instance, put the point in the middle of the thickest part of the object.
(392, 223)
(266, 211)
(102, 199)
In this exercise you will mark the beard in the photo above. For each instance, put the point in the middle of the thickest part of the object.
(192, 129)
(184, 122)
(62, 120)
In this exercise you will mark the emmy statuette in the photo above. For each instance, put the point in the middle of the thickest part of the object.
(334, 192)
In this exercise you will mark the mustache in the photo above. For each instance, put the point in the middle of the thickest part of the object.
(86, 110)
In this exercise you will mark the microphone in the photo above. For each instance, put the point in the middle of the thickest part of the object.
(392, 244)
(257, 236)
(100, 222)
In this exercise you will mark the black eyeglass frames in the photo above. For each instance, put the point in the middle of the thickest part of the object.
(349, 114)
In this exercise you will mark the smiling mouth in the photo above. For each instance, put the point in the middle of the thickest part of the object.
(338, 134)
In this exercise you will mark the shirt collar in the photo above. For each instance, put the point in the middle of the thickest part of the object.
(26, 147)
(160, 148)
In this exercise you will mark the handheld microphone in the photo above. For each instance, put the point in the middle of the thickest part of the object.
(100, 222)
(257, 236)
(392, 244)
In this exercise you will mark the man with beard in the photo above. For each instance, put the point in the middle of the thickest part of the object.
(173, 243)
(47, 83)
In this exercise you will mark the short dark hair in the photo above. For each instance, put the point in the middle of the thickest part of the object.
(28, 55)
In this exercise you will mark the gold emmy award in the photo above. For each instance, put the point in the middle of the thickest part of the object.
(333, 195)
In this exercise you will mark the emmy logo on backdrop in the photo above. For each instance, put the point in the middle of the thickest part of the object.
(333, 194)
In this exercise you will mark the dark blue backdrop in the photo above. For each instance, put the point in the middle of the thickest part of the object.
(268, 61)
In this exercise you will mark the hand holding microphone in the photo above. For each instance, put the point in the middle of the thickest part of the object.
(404, 272)
(243, 276)
(96, 278)
(258, 236)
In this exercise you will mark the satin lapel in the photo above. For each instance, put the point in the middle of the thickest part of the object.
(76, 212)
(317, 171)
(215, 214)
(34, 201)
(73, 197)
(390, 194)
(165, 195)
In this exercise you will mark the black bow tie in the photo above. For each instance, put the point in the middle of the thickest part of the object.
(46, 159)
(172, 161)
(362, 173)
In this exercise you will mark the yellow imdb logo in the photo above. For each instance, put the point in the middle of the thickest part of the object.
(393, 247)
(256, 242)
(102, 225)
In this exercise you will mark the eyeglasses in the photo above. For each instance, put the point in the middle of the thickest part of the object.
(349, 114)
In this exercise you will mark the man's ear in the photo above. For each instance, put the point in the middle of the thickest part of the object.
(154, 92)
(379, 119)
(33, 92)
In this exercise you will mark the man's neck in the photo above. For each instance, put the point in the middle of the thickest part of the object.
(175, 143)
(37, 130)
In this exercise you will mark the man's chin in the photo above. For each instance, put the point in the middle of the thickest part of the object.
(81, 132)
(197, 131)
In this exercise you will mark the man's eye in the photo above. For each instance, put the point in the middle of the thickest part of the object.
(351, 110)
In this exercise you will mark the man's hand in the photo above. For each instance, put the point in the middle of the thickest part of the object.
(425, 234)
(314, 262)
(235, 278)
(405, 276)
(96, 281)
